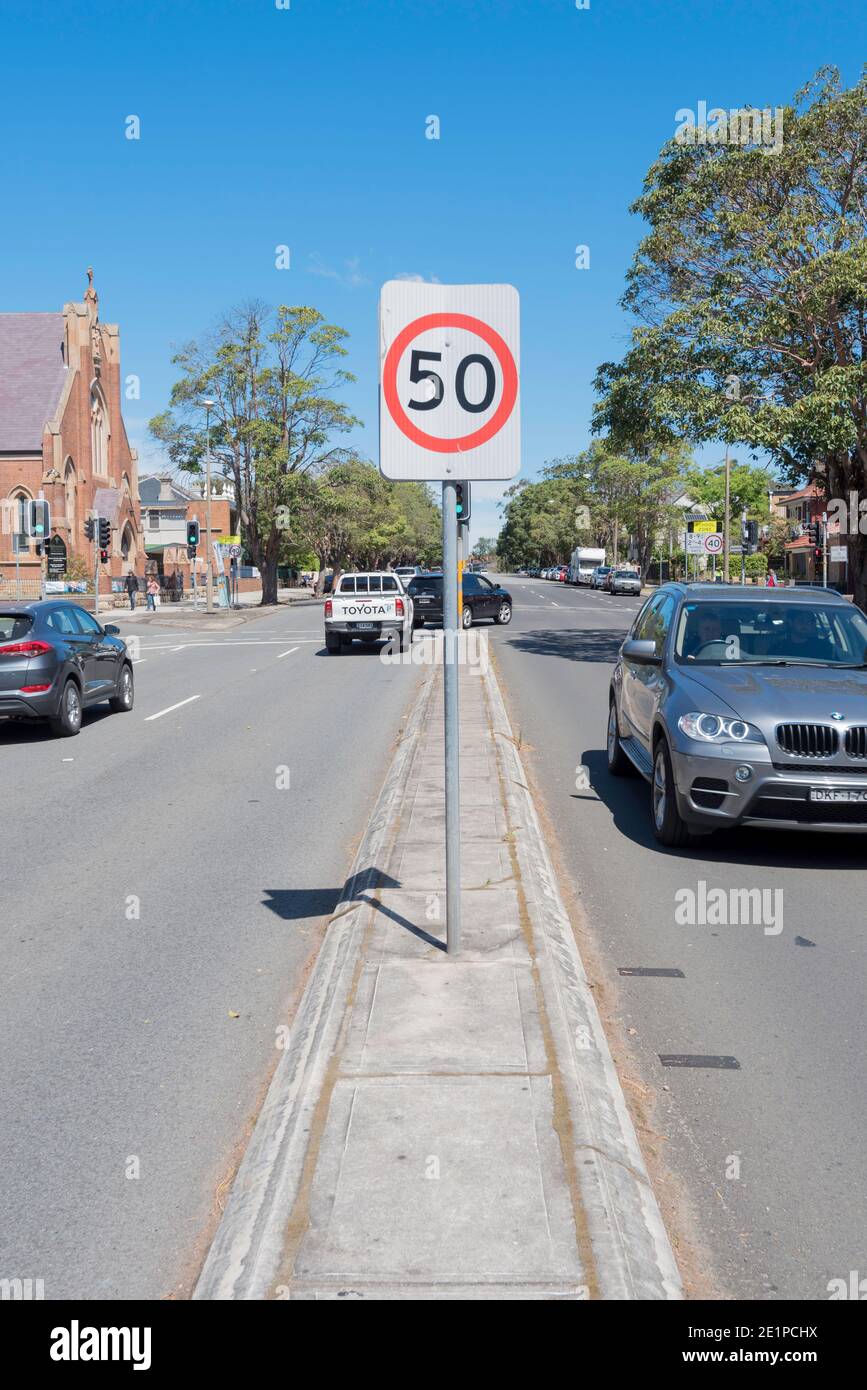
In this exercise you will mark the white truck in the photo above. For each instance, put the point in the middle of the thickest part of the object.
(583, 562)
(368, 606)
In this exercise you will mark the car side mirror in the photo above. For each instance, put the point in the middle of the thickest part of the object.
(112, 630)
(643, 653)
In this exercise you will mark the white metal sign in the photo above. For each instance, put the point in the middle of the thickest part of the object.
(449, 381)
(713, 543)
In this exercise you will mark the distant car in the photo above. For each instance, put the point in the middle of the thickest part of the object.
(624, 582)
(56, 661)
(744, 707)
(407, 572)
(599, 576)
(481, 599)
(562, 573)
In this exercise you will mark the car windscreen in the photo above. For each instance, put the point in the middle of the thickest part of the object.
(777, 633)
(14, 626)
(426, 584)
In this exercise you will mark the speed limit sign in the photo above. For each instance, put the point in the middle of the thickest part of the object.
(449, 381)
(713, 544)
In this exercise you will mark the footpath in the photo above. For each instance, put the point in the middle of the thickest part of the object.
(438, 1127)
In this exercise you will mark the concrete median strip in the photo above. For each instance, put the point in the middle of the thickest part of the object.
(442, 1128)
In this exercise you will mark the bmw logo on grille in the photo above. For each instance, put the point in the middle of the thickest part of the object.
(835, 714)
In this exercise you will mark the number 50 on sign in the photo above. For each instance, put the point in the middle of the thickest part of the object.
(449, 381)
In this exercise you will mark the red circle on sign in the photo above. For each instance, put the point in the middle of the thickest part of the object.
(507, 366)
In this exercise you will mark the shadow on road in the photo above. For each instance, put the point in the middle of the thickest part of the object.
(628, 800)
(574, 644)
(13, 731)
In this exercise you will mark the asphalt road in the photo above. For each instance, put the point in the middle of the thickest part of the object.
(770, 1156)
(159, 876)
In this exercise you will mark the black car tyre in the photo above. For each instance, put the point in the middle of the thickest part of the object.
(467, 616)
(669, 827)
(123, 701)
(333, 643)
(67, 722)
(618, 763)
(504, 615)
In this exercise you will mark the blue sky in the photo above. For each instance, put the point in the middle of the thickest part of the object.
(306, 127)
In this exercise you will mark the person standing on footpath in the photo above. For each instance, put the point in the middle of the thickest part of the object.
(131, 586)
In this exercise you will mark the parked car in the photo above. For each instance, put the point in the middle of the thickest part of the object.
(599, 576)
(368, 606)
(481, 599)
(56, 661)
(744, 707)
(407, 572)
(624, 582)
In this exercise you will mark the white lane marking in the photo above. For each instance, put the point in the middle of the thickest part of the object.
(139, 660)
(180, 648)
(555, 605)
(179, 705)
(275, 642)
(289, 653)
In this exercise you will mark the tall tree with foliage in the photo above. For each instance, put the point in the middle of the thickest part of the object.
(272, 376)
(351, 516)
(750, 293)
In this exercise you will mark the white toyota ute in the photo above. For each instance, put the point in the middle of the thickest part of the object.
(367, 607)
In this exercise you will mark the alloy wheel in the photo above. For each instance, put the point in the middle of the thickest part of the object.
(660, 788)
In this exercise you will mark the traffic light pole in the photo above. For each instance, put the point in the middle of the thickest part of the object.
(96, 567)
(451, 720)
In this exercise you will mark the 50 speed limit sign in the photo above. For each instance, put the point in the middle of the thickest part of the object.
(449, 381)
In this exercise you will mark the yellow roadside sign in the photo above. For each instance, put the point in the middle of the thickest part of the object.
(703, 527)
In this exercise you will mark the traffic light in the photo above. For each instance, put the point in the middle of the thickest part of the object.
(192, 534)
(90, 528)
(39, 519)
(104, 533)
(462, 500)
(813, 532)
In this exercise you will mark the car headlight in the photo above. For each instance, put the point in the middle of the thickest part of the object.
(713, 728)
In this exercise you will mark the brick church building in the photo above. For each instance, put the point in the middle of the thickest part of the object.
(62, 437)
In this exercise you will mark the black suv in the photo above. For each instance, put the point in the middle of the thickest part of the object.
(56, 660)
(481, 599)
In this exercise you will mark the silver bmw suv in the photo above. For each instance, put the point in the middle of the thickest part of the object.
(744, 706)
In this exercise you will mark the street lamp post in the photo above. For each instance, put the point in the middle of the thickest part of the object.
(209, 579)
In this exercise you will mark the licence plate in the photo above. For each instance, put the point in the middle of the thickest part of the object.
(838, 794)
(365, 627)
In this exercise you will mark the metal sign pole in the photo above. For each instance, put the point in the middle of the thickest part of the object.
(452, 736)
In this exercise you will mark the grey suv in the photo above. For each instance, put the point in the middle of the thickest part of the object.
(744, 707)
(56, 660)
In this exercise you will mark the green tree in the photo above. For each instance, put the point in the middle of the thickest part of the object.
(750, 293)
(272, 377)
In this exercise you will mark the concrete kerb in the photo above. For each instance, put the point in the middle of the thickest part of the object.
(246, 1253)
(632, 1253)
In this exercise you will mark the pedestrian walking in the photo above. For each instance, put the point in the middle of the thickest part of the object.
(153, 593)
(131, 586)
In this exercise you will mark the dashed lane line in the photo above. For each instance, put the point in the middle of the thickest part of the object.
(179, 705)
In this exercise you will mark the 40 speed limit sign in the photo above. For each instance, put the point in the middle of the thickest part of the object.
(449, 381)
